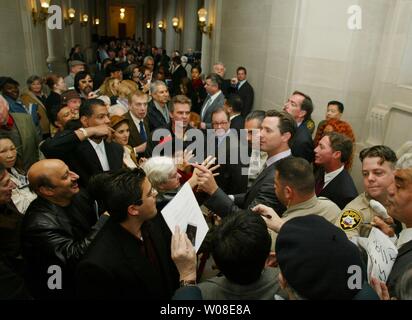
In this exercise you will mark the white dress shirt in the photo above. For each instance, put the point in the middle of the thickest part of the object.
(101, 154)
(404, 237)
(136, 121)
(332, 175)
(209, 102)
(278, 157)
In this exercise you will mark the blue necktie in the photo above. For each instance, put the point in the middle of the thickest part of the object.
(142, 131)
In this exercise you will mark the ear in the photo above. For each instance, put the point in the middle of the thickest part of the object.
(46, 191)
(271, 261)
(288, 192)
(302, 113)
(84, 121)
(286, 137)
(133, 210)
(337, 155)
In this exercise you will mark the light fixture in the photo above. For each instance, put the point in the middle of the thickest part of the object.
(71, 13)
(148, 25)
(204, 28)
(122, 13)
(42, 14)
(175, 24)
(85, 20)
(161, 25)
(97, 21)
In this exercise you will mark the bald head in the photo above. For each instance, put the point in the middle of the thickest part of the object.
(4, 110)
(52, 179)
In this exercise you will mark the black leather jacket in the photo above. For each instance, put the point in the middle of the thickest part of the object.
(57, 236)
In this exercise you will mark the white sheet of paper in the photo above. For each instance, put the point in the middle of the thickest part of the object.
(381, 255)
(183, 210)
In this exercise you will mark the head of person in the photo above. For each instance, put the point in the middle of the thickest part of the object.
(162, 173)
(61, 114)
(127, 195)
(8, 152)
(149, 63)
(6, 185)
(294, 181)
(241, 240)
(83, 83)
(219, 68)
(378, 166)
(333, 151)
(321, 274)
(196, 72)
(400, 191)
(52, 180)
(160, 92)
(253, 125)
(71, 99)
(56, 83)
(241, 73)
(160, 74)
(403, 290)
(233, 104)
(4, 110)
(213, 83)
(76, 66)
(35, 84)
(334, 110)
(10, 88)
(120, 125)
(300, 106)
(180, 111)
(114, 71)
(278, 130)
(138, 104)
(94, 113)
(110, 87)
(177, 61)
(220, 121)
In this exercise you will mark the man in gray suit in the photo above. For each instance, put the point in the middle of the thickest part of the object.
(278, 129)
(215, 99)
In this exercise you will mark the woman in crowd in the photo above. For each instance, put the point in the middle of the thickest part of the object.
(57, 87)
(34, 95)
(21, 195)
(121, 134)
(110, 88)
(196, 90)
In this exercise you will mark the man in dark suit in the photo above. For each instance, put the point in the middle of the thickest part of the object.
(400, 208)
(300, 106)
(131, 257)
(219, 69)
(158, 114)
(242, 87)
(140, 133)
(178, 74)
(277, 131)
(86, 150)
(333, 180)
(214, 100)
(233, 107)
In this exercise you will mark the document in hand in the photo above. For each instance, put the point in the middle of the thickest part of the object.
(381, 255)
(184, 211)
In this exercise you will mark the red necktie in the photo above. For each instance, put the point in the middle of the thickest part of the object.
(9, 124)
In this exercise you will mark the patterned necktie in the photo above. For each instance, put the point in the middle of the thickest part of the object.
(142, 131)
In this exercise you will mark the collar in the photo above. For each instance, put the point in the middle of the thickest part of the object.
(404, 237)
(332, 175)
(234, 116)
(212, 98)
(241, 83)
(300, 206)
(94, 144)
(278, 157)
(135, 119)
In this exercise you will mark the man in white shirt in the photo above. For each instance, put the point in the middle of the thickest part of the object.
(333, 180)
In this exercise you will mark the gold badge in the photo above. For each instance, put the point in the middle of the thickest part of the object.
(350, 219)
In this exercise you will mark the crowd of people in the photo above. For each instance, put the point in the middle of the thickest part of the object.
(88, 161)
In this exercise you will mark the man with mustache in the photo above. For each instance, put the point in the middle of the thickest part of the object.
(83, 83)
(57, 229)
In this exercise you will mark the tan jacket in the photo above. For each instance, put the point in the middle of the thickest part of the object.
(28, 97)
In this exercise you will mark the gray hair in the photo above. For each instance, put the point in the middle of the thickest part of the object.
(405, 148)
(147, 58)
(404, 286)
(158, 170)
(405, 162)
(155, 85)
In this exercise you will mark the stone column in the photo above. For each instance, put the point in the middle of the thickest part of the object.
(56, 59)
(190, 28)
(159, 16)
(206, 40)
(170, 32)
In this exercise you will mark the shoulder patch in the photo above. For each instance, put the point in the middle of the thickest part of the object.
(350, 219)
(310, 124)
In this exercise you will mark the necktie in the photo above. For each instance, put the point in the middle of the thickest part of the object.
(319, 184)
(142, 131)
(208, 102)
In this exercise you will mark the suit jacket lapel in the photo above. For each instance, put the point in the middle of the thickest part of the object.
(90, 154)
(134, 132)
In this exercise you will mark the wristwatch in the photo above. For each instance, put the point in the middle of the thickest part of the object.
(83, 130)
(187, 283)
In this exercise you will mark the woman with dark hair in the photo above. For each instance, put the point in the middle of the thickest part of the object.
(57, 87)
(196, 90)
(34, 94)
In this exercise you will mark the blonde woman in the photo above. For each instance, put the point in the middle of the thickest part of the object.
(110, 88)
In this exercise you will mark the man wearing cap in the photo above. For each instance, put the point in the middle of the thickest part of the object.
(378, 165)
(72, 100)
(75, 67)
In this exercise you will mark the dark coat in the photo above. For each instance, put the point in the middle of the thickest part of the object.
(115, 268)
(340, 190)
(155, 117)
(402, 263)
(135, 139)
(247, 95)
(53, 235)
(303, 144)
